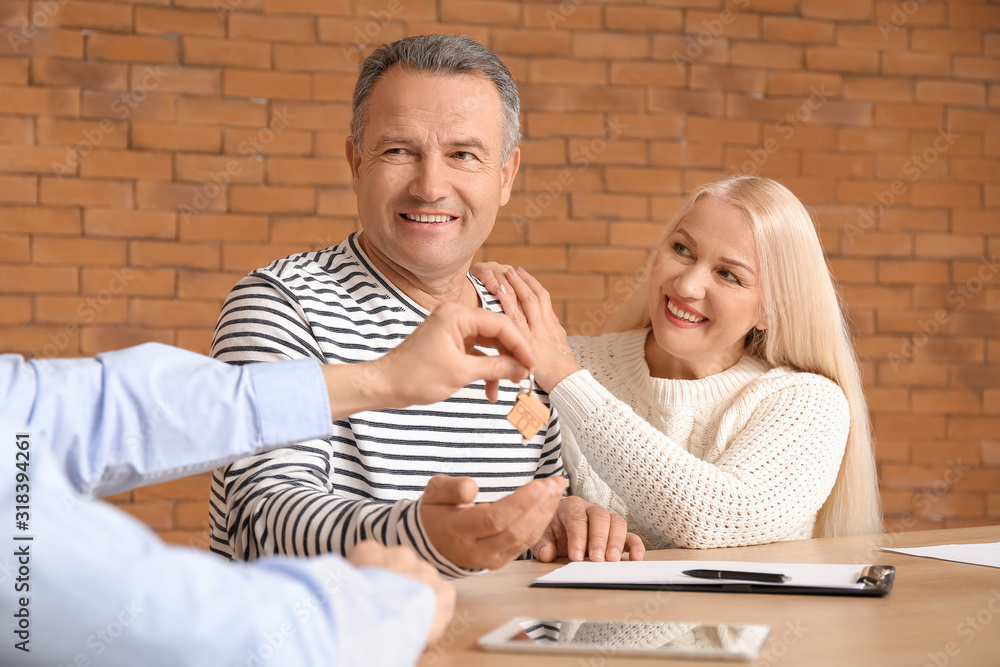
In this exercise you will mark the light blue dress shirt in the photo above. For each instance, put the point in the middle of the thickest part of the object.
(95, 586)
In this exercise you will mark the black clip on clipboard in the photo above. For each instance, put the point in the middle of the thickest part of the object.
(877, 580)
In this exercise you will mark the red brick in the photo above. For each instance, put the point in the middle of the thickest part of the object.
(556, 70)
(81, 134)
(948, 246)
(130, 223)
(909, 115)
(490, 12)
(841, 59)
(157, 21)
(946, 41)
(126, 164)
(646, 126)
(15, 310)
(844, 10)
(221, 111)
(80, 192)
(854, 139)
(952, 93)
(724, 131)
(362, 30)
(646, 73)
(35, 159)
(18, 219)
(923, 220)
(248, 83)
(81, 310)
(802, 83)
(15, 249)
(208, 227)
(333, 87)
(916, 64)
(609, 206)
(182, 197)
(234, 52)
(129, 281)
(331, 7)
(855, 271)
(585, 152)
(977, 68)
(287, 142)
(640, 234)
(95, 15)
(318, 232)
(308, 171)
(877, 88)
(176, 137)
(138, 104)
(531, 42)
(686, 154)
(685, 49)
(707, 102)
(14, 70)
(219, 169)
(816, 163)
(271, 27)
(175, 79)
(46, 42)
(89, 252)
(310, 58)
(643, 19)
(622, 179)
(611, 45)
(941, 453)
(132, 48)
(728, 78)
(59, 72)
(797, 30)
(771, 56)
(94, 340)
(622, 260)
(975, 16)
(267, 199)
(878, 243)
(173, 254)
(562, 16)
(203, 285)
(972, 221)
(945, 194)
(564, 125)
(871, 36)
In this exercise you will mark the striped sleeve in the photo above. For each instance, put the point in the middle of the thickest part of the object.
(285, 501)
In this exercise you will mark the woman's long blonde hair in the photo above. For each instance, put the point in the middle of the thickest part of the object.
(806, 330)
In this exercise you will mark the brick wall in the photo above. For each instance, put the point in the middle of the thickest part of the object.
(152, 153)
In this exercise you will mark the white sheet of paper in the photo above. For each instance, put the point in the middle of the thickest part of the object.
(661, 572)
(987, 554)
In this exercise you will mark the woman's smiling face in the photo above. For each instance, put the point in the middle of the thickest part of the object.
(703, 293)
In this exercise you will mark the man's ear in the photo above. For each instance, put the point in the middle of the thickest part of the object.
(507, 174)
(353, 154)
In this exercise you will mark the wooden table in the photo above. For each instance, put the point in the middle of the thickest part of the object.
(939, 613)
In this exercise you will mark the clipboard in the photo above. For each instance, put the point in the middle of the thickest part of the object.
(804, 578)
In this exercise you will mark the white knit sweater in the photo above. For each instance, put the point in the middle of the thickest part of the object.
(745, 456)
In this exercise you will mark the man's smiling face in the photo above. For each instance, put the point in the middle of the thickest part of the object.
(430, 177)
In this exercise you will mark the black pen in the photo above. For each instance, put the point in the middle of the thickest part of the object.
(764, 577)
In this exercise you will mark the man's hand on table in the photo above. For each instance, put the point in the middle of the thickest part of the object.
(487, 535)
(580, 528)
(405, 561)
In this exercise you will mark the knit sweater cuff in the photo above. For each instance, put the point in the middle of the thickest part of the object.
(578, 397)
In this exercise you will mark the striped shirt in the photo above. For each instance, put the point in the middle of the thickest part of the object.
(324, 496)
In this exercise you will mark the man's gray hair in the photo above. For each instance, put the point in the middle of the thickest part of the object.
(438, 54)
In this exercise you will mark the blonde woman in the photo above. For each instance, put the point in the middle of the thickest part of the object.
(725, 407)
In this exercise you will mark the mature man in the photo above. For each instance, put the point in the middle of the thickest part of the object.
(433, 150)
(86, 584)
